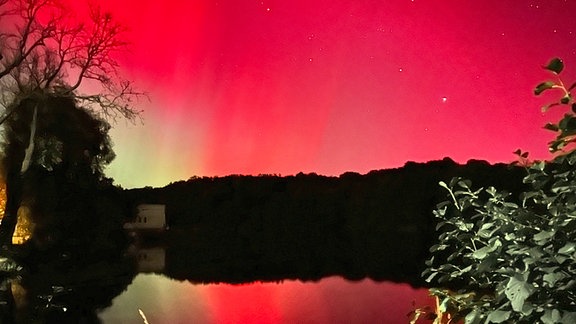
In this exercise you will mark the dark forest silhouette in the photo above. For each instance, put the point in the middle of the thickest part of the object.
(246, 228)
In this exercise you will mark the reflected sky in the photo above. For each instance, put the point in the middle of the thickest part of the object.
(331, 300)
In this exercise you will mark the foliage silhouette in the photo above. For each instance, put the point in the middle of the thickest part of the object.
(513, 260)
(73, 148)
(246, 228)
(45, 58)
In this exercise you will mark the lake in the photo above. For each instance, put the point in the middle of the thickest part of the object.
(330, 300)
(145, 287)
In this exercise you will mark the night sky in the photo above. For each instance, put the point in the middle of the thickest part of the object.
(251, 87)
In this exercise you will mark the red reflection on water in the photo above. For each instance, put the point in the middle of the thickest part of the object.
(254, 303)
(332, 300)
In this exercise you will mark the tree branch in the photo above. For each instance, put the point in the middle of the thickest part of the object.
(55, 58)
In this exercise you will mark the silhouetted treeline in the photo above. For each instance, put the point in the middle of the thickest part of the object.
(243, 228)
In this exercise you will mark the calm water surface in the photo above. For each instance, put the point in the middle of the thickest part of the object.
(331, 300)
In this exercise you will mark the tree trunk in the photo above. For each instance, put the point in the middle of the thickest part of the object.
(30, 149)
(14, 188)
(13, 200)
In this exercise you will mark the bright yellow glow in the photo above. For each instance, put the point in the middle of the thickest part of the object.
(2, 197)
(24, 225)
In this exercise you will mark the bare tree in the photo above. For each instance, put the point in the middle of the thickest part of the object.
(45, 54)
(42, 50)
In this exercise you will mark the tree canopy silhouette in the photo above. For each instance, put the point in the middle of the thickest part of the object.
(49, 120)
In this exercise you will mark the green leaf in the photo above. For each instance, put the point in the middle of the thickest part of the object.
(551, 316)
(465, 183)
(527, 309)
(543, 237)
(566, 99)
(568, 248)
(566, 122)
(487, 230)
(431, 276)
(568, 317)
(552, 127)
(538, 166)
(543, 86)
(483, 252)
(498, 316)
(488, 264)
(463, 226)
(556, 145)
(569, 285)
(555, 65)
(454, 181)
(510, 236)
(552, 278)
(438, 247)
(548, 106)
(444, 185)
(517, 291)
(528, 263)
(561, 259)
(521, 154)
(491, 191)
(535, 252)
(473, 317)
(444, 305)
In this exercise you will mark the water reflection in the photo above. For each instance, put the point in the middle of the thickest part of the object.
(62, 290)
(124, 288)
(330, 300)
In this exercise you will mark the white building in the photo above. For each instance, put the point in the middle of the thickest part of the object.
(148, 217)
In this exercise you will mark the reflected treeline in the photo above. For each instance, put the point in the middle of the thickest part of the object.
(75, 261)
(245, 228)
(61, 288)
(65, 291)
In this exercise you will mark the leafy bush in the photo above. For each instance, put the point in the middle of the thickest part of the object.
(513, 259)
